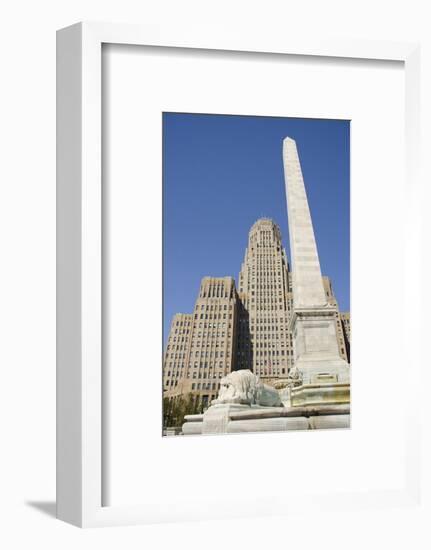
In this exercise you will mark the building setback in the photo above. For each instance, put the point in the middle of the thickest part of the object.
(245, 329)
(264, 344)
(345, 323)
(332, 301)
(177, 353)
(202, 346)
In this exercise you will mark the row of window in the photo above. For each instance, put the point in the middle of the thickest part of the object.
(205, 386)
(183, 323)
(266, 287)
(205, 375)
(271, 372)
(266, 353)
(172, 356)
(272, 341)
(215, 316)
(195, 375)
(215, 342)
(201, 365)
(260, 339)
(266, 327)
(216, 292)
(213, 353)
(261, 367)
(261, 320)
(172, 347)
(209, 334)
(212, 307)
(265, 276)
(212, 325)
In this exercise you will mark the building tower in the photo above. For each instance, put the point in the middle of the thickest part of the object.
(264, 343)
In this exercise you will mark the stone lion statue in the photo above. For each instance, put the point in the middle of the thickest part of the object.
(245, 388)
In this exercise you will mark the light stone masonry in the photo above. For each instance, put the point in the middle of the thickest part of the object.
(314, 319)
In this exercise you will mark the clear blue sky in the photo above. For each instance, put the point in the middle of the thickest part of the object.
(221, 173)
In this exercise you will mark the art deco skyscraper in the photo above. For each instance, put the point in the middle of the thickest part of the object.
(264, 343)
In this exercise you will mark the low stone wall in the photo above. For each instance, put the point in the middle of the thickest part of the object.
(221, 419)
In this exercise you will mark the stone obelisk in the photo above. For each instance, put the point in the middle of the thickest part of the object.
(313, 321)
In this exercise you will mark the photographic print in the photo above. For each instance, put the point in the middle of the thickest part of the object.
(256, 280)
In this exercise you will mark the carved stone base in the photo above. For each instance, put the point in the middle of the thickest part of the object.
(323, 371)
(223, 419)
(217, 417)
(320, 394)
(317, 356)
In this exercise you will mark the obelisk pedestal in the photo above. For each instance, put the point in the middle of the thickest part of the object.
(313, 321)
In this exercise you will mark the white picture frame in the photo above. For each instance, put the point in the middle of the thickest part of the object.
(79, 254)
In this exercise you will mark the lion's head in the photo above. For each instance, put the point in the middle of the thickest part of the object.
(239, 386)
(245, 388)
